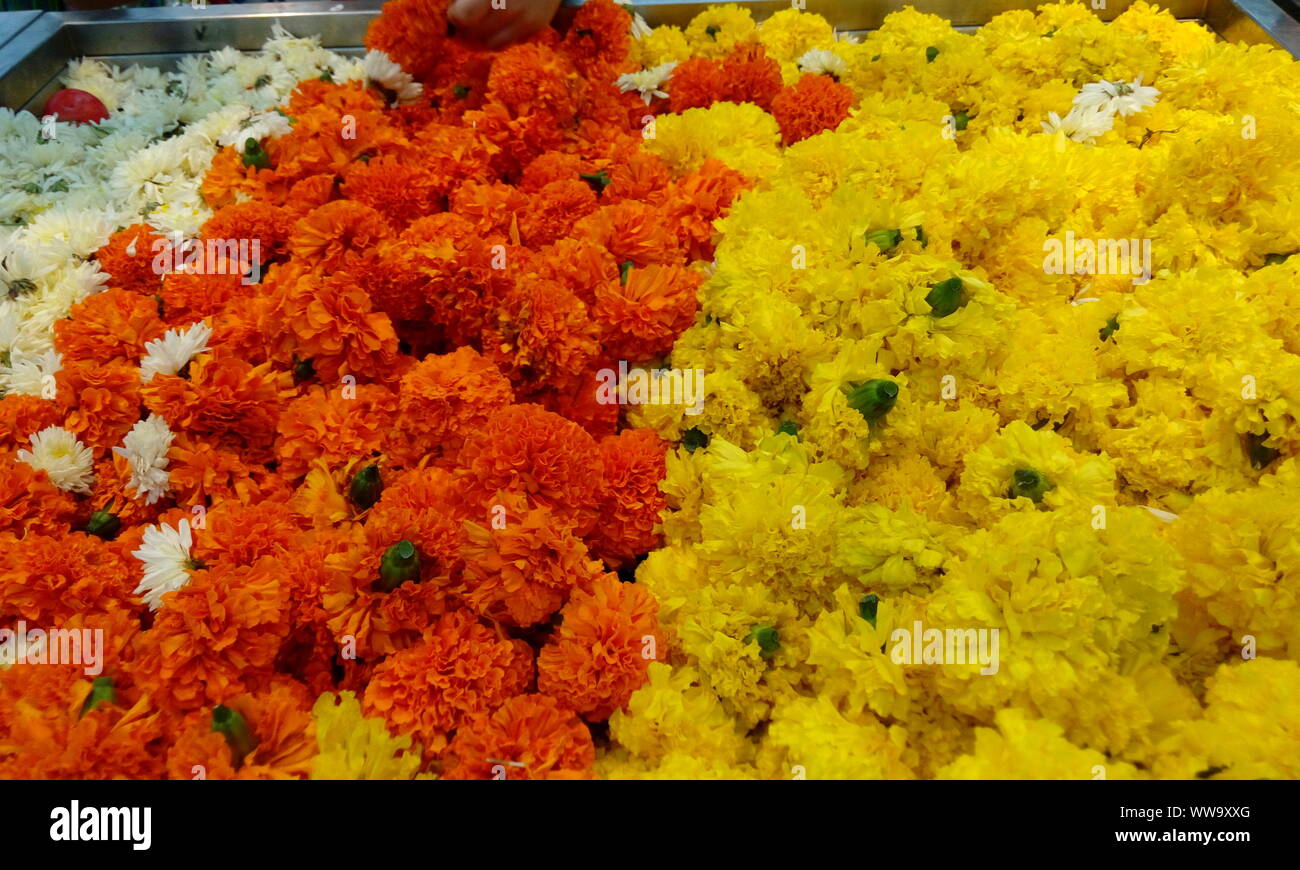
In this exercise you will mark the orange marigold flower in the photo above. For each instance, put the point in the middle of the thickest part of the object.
(229, 180)
(394, 186)
(543, 334)
(113, 488)
(283, 734)
(578, 265)
(424, 506)
(522, 569)
(631, 230)
(414, 33)
(195, 292)
(266, 224)
(227, 398)
(128, 257)
(527, 449)
(456, 278)
(598, 39)
(361, 613)
(528, 737)
(309, 193)
(216, 636)
(491, 208)
(531, 78)
(200, 471)
(21, 415)
(699, 199)
(108, 326)
(751, 76)
(99, 402)
(46, 579)
(810, 106)
(641, 319)
(641, 177)
(234, 533)
(634, 463)
(334, 233)
(29, 503)
(550, 167)
(461, 668)
(597, 659)
(697, 83)
(324, 424)
(443, 399)
(554, 210)
(579, 400)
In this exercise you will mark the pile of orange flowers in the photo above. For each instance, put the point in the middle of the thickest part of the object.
(389, 458)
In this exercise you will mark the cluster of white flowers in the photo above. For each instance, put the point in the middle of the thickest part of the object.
(1096, 106)
(62, 196)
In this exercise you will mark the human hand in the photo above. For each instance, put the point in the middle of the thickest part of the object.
(487, 22)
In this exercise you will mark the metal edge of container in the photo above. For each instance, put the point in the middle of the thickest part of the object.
(14, 23)
(33, 58)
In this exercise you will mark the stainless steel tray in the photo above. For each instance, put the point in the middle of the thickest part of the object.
(35, 47)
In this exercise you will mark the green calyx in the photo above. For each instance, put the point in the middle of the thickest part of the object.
(713, 30)
(867, 608)
(874, 398)
(104, 523)
(624, 271)
(598, 180)
(460, 92)
(885, 240)
(101, 692)
(946, 297)
(304, 370)
(366, 487)
(400, 563)
(930, 54)
(1111, 327)
(788, 427)
(693, 439)
(254, 155)
(1030, 484)
(767, 638)
(961, 118)
(234, 727)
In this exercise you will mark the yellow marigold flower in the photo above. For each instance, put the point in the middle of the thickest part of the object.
(810, 739)
(356, 747)
(1250, 730)
(716, 30)
(741, 135)
(788, 34)
(1024, 747)
(661, 45)
(670, 713)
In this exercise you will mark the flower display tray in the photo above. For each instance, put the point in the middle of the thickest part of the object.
(35, 47)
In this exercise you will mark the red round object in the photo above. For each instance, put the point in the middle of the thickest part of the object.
(75, 106)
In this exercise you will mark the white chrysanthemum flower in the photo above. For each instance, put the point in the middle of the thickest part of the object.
(69, 463)
(145, 450)
(169, 354)
(1081, 125)
(29, 374)
(381, 69)
(165, 553)
(649, 82)
(82, 232)
(259, 126)
(1124, 98)
(823, 62)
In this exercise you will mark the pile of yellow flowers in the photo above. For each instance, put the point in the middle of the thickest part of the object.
(911, 418)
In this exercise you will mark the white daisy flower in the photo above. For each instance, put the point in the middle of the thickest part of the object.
(1124, 98)
(69, 463)
(823, 62)
(649, 82)
(381, 69)
(145, 450)
(165, 553)
(169, 354)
